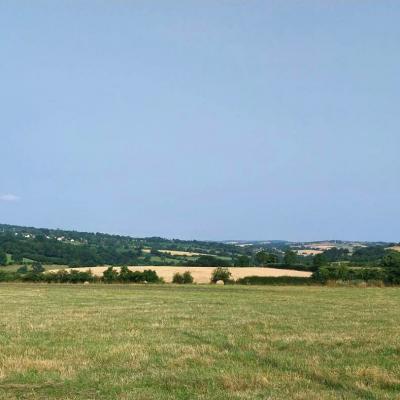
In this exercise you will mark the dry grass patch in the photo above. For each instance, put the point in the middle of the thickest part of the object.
(177, 253)
(394, 248)
(10, 365)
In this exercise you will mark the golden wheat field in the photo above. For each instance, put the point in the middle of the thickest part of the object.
(394, 248)
(177, 252)
(203, 274)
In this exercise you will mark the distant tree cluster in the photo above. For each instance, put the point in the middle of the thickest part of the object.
(48, 246)
(53, 251)
(263, 258)
(368, 255)
(210, 261)
(387, 271)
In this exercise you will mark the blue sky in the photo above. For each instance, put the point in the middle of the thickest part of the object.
(202, 119)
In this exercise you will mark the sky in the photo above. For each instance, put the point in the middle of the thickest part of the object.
(202, 119)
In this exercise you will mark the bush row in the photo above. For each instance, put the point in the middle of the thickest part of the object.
(74, 276)
(343, 273)
(125, 275)
(61, 276)
(324, 275)
(274, 280)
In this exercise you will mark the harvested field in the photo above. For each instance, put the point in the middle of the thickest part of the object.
(182, 253)
(308, 252)
(203, 274)
(178, 253)
(322, 247)
(394, 248)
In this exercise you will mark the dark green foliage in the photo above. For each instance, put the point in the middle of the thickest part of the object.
(155, 252)
(221, 274)
(388, 271)
(272, 280)
(296, 267)
(187, 277)
(49, 246)
(3, 258)
(37, 268)
(6, 276)
(71, 276)
(210, 261)
(110, 275)
(344, 273)
(23, 269)
(391, 264)
(75, 276)
(265, 258)
(242, 261)
(335, 254)
(319, 260)
(178, 278)
(368, 255)
(290, 257)
(184, 278)
(126, 275)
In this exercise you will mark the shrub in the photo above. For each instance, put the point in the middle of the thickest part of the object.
(150, 276)
(63, 276)
(221, 274)
(126, 275)
(37, 268)
(8, 276)
(274, 280)
(33, 276)
(186, 277)
(110, 275)
(23, 269)
(177, 278)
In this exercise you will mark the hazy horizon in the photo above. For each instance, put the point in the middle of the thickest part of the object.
(209, 121)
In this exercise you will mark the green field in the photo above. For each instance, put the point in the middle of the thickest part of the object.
(198, 342)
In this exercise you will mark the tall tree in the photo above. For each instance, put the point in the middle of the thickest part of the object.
(3, 258)
(290, 257)
(264, 258)
(319, 261)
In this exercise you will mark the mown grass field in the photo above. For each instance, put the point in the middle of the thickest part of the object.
(198, 342)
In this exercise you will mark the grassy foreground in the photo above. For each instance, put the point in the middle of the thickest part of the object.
(198, 342)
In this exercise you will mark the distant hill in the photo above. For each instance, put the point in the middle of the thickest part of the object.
(21, 244)
(56, 246)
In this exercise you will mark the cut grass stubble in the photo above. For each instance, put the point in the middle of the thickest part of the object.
(198, 342)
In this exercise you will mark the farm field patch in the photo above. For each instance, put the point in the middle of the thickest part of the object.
(203, 274)
(167, 342)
